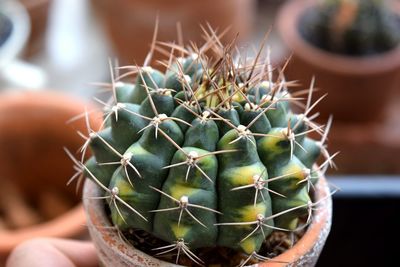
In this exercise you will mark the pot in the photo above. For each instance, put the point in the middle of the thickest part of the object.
(130, 23)
(33, 132)
(358, 87)
(368, 148)
(112, 251)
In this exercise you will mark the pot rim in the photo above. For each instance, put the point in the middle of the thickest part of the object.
(315, 235)
(71, 223)
(287, 25)
(45, 99)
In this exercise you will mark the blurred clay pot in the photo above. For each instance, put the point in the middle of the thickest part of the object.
(368, 148)
(130, 23)
(358, 87)
(33, 132)
(112, 251)
(38, 12)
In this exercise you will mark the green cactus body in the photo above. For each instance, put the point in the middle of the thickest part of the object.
(277, 113)
(275, 147)
(310, 154)
(189, 188)
(232, 116)
(124, 92)
(102, 173)
(163, 102)
(260, 91)
(149, 161)
(190, 65)
(242, 206)
(126, 126)
(208, 167)
(186, 112)
(104, 146)
(293, 189)
(259, 121)
(274, 151)
(207, 140)
(150, 78)
(173, 81)
(299, 126)
(192, 72)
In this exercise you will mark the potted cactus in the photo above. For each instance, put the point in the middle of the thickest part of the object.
(352, 46)
(206, 164)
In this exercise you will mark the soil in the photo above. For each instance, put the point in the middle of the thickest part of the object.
(5, 28)
(277, 243)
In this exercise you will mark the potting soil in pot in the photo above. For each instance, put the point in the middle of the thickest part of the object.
(277, 243)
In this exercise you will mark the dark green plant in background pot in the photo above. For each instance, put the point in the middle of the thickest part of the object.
(353, 27)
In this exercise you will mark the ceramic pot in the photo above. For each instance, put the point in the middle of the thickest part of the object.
(112, 251)
(33, 132)
(358, 87)
(38, 12)
(130, 23)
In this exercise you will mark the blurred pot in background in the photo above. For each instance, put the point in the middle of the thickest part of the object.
(38, 11)
(352, 48)
(34, 170)
(368, 148)
(130, 23)
(359, 68)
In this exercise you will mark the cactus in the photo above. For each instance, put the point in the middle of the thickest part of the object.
(355, 27)
(208, 153)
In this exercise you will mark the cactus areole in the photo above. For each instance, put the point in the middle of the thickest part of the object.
(207, 154)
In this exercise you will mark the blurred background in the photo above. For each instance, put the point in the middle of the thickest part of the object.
(53, 51)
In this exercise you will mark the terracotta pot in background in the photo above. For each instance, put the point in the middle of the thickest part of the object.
(113, 252)
(33, 132)
(368, 148)
(130, 23)
(358, 87)
(38, 12)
